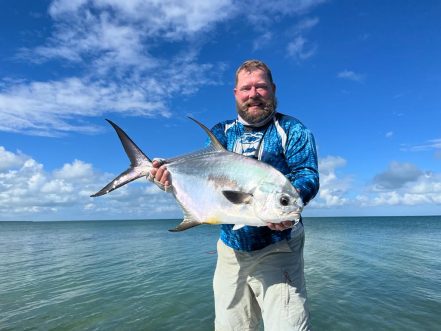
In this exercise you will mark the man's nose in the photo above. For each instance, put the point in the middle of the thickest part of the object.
(253, 92)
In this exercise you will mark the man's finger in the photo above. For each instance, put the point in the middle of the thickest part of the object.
(287, 224)
(157, 162)
(159, 173)
(280, 226)
(151, 175)
(272, 226)
(165, 177)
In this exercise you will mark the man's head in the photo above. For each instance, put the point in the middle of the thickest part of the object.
(254, 91)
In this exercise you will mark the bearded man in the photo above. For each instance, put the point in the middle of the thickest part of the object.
(260, 270)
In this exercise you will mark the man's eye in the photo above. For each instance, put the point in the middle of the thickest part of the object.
(262, 88)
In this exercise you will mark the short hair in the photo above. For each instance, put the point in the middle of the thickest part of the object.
(250, 65)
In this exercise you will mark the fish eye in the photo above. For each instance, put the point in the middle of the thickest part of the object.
(284, 200)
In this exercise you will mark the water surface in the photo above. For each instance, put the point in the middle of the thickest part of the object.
(367, 273)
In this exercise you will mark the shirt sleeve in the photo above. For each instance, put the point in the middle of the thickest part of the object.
(301, 156)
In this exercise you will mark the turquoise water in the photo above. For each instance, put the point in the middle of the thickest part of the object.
(379, 273)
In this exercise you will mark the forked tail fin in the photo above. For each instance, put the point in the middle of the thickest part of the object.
(140, 164)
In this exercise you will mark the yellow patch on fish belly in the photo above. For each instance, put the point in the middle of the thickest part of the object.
(212, 220)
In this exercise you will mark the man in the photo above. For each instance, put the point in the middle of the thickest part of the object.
(260, 270)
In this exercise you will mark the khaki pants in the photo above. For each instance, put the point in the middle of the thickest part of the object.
(267, 283)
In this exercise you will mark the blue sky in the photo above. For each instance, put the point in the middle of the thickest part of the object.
(364, 76)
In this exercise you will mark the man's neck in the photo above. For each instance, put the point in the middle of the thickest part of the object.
(258, 124)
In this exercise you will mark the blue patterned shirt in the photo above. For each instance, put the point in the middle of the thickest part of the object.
(287, 145)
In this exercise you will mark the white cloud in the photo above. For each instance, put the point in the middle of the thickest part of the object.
(112, 46)
(403, 184)
(300, 48)
(351, 75)
(29, 192)
(396, 176)
(174, 18)
(110, 43)
(9, 160)
(426, 146)
(47, 108)
(262, 41)
(333, 187)
(75, 170)
(306, 24)
(263, 11)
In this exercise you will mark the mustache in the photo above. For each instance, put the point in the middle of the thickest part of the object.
(254, 101)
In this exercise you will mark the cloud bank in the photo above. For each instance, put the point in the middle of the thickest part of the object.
(29, 192)
(401, 184)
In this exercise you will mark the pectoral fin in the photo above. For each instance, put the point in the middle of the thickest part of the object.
(238, 197)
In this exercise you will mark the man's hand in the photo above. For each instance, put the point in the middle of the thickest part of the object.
(280, 226)
(160, 175)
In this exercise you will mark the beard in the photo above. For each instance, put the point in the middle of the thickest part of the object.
(266, 108)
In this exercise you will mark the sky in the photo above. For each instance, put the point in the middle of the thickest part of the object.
(363, 76)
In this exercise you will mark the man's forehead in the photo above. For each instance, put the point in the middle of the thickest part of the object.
(251, 70)
(247, 73)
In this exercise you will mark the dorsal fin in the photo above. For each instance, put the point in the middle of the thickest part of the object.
(215, 144)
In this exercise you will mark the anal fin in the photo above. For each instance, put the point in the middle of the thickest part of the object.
(188, 222)
(185, 224)
(238, 226)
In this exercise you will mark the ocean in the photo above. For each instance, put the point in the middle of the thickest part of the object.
(362, 273)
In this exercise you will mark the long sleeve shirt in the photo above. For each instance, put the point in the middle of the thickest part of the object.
(287, 145)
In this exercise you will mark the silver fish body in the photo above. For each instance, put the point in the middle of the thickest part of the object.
(215, 186)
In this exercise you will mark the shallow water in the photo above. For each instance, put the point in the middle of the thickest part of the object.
(378, 273)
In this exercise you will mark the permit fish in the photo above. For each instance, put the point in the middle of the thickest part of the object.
(216, 186)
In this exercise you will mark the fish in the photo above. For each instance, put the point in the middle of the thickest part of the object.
(215, 186)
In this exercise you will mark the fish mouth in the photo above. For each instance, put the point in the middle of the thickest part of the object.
(293, 215)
